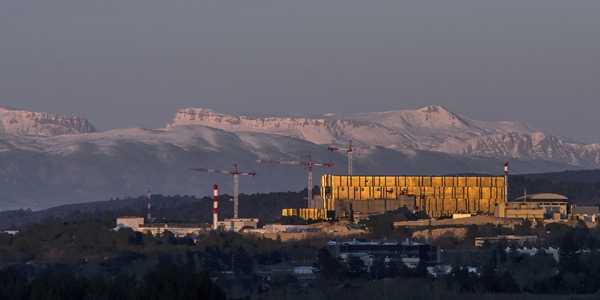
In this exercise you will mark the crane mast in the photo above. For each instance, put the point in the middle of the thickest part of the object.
(351, 150)
(236, 183)
(307, 164)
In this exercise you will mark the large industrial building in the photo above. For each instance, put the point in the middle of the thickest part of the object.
(436, 195)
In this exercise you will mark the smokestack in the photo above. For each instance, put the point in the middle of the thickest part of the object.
(215, 207)
(505, 182)
(149, 206)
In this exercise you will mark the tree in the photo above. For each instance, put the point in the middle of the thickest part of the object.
(569, 255)
(524, 228)
(12, 285)
(421, 270)
(172, 282)
(488, 275)
(356, 267)
(507, 284)
(328, 265)
(378, 268)
(61, 285)
(242, 262)
(464, 279)
(472, 233)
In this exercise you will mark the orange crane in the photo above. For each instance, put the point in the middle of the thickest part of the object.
(236, 183)
(350, 150)
(307, 164)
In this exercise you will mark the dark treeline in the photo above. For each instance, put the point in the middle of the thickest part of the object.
(176, 208)
(578, 192)
(82, 258)
(88, 252)
(165, 282)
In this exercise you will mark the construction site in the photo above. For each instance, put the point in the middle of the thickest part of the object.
(354, 197)
(358, 196)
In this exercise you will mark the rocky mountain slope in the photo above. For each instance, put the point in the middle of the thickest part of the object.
(48, 160)
(19, 122)
(431, 128)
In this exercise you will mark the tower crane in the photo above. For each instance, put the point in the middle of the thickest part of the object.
(236, 183)
(307, 164)
(350, 150)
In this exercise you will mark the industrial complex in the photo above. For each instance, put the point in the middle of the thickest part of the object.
(353, 197)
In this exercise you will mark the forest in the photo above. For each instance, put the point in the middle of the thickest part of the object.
(87, 259)
(73, 252)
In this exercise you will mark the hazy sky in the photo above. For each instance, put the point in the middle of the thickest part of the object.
(134, 63)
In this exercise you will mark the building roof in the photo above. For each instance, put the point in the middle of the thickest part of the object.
(584, 210)
(542, 197)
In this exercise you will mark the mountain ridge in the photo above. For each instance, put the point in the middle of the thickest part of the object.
(74, 164)
(431, 128)
(21, 122)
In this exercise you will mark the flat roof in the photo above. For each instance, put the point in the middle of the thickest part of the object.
(542, 197)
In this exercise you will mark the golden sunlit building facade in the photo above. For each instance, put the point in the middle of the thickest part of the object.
(436, 195)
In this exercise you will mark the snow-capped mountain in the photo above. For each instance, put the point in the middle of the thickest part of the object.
(432, 128)
(48, 160)
(19, 122)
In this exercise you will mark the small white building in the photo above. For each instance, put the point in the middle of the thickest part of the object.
(533, 251)
(304, 272)
(585, 213)
(129, 222)
(237, 224)
(178, 229)
(276, 228)
(461, 216)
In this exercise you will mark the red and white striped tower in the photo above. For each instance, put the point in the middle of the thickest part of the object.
(215, 207)
(236, 183)
(505, 182)
(149, 206)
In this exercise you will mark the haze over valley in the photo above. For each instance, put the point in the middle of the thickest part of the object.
(48, 160)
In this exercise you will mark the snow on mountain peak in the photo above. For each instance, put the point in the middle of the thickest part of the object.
(433, 109)
(124, 162)
(20, 122)
(429, 126)
(319, 131)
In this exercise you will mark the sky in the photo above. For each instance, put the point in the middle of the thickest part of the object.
(124, 64)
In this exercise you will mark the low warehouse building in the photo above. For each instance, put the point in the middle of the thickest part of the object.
(536, 206)
(584, 213)
(390, 249)
(178, 229)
